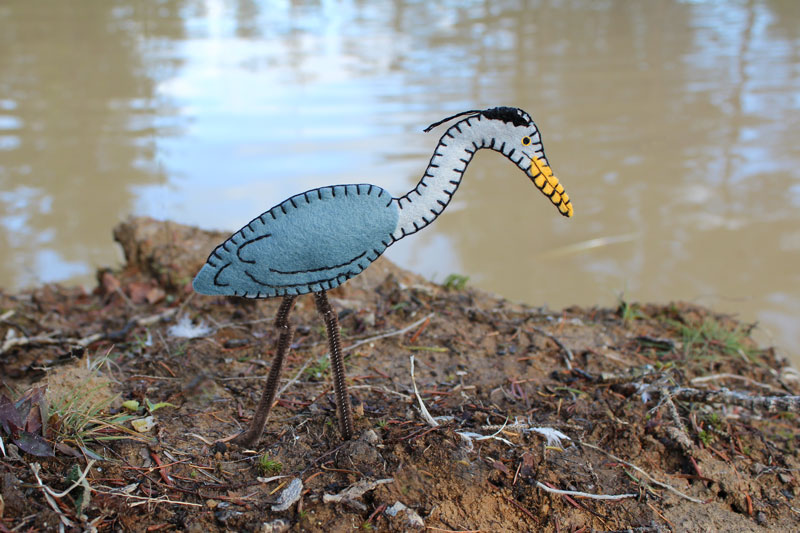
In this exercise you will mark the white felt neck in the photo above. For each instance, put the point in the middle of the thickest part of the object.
(422, 204)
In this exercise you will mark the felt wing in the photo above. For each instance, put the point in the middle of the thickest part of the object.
(314, 241)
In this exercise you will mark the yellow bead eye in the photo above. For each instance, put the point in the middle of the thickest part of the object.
(526, 141)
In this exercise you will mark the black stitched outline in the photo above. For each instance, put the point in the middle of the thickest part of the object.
(251, 241)
(216, 276)
(318, 269)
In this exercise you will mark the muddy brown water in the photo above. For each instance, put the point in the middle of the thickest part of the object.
(673, 126)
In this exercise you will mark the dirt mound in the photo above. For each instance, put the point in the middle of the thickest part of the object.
(576, 420)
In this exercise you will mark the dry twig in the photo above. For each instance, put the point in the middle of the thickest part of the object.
(567, 352)
(645, 474)
(586, 494)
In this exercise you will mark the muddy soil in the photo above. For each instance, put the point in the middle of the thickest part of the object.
(651, 417)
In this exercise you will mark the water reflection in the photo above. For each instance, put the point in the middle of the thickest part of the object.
(670, 123)
(79, 128)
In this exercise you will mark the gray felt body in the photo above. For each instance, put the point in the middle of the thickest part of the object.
(311, 242)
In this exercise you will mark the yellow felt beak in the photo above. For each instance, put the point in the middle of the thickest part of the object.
(542, 176)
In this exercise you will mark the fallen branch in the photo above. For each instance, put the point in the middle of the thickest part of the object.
(750, 381)
(354, 492)
(770, 404)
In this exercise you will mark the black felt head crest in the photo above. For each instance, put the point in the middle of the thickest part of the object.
(514, 115)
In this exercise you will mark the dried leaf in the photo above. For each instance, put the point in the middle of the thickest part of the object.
(155, 295)
(109, 282)
(68, 450)
(9, 416)
(33, 444)
(501, 467)
(33, 424)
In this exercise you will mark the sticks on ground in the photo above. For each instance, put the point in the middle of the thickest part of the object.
(83, 342)
(770, 404)
(579, 494)
(568, 357)
(642, 472)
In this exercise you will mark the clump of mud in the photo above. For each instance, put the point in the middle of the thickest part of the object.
(644, 418)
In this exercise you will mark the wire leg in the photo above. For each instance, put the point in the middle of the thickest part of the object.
(253, 433)
(344, 411)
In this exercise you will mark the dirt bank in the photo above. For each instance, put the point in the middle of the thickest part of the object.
(626, 405)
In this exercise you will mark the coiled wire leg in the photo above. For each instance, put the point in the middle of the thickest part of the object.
(344, 409)
(253, 433)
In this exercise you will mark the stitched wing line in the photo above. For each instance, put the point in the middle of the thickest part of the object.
(353, 260)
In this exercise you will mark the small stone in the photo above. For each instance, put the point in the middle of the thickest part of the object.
(368, 319)
(276, 526)
(411, 519)
(761, 518)
(211, 503)
(289, 496)
(219, 447)
(370, 437)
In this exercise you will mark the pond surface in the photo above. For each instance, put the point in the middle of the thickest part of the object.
(673, 125)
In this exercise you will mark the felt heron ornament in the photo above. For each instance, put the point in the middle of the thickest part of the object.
(317, 240)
